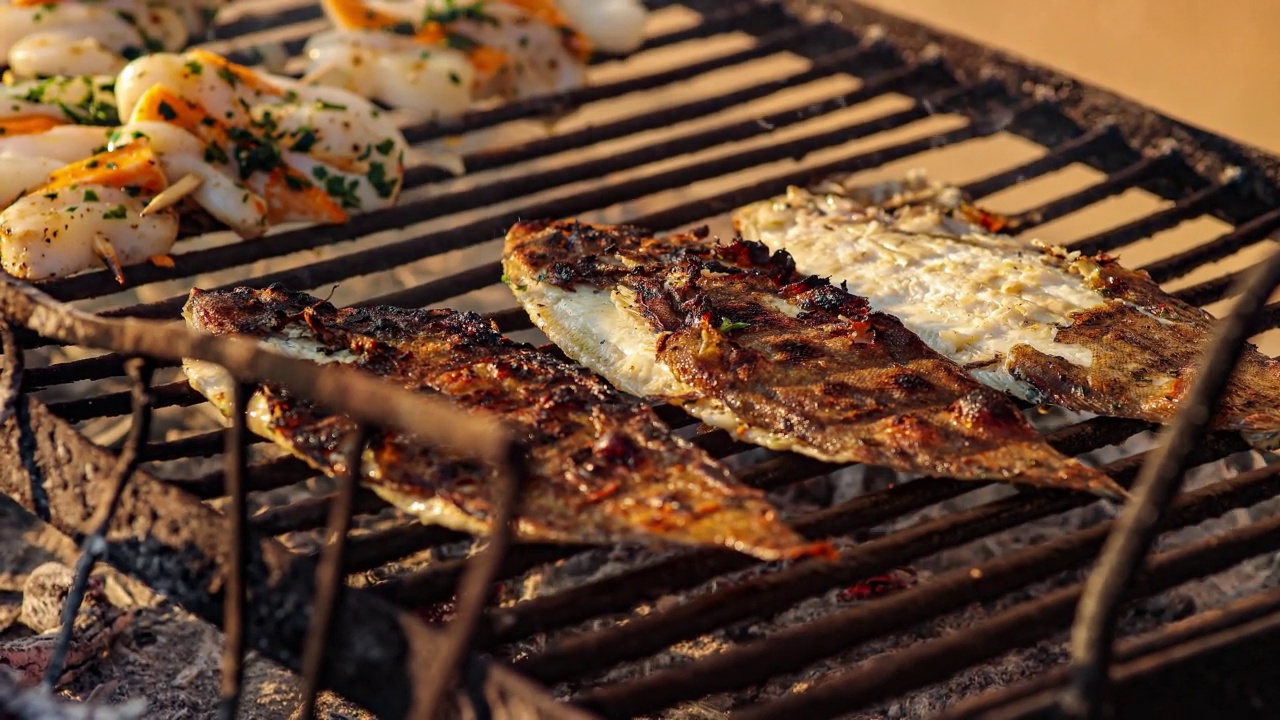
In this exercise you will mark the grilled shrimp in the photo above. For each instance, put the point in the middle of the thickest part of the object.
(265, 148)
(87, 214)
(612, 26)
(438, 57)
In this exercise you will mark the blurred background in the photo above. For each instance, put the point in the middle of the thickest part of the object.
(1213, 64)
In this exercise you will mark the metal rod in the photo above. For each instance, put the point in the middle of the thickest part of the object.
(476, 587)
(234, 625)
(329, 574)
(1159, 481)
(94, 545)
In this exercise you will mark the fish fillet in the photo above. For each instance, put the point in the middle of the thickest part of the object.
(1034, 320)
(734, 336)
(603, 467)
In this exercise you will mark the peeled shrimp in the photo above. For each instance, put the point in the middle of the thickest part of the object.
(438, 57)
(88, 214)
(266, 149)
(612, 26)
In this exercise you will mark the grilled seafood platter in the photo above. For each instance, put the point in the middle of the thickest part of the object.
(603, 468)
(1036, 321)
(735, 336)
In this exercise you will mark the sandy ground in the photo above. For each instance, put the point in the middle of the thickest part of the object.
(166, 656)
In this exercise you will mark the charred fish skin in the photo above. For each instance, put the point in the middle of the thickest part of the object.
(603, 468)
(734, 335)
(1081, 332)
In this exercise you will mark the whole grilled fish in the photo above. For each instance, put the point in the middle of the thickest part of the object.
(1046, 325)
(736, 337)
(603, 467)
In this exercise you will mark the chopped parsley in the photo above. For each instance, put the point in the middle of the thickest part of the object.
(457, 41)
(512, 284)
(454, 78)
(377, 176)
(51, 196)
(256, 156)
(386, 146)
(295, 182)
(166, 110)
(306, 138)
(323, 105)
(90, 196)
(452, 12)
(214, 153)
(228, 76)
(194, 67)
(132, 190)
(727, 325)
(116, 213)
(343, 191)
(402, 28)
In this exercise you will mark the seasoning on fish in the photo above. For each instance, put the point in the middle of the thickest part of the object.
(1034, 320)
(603, 467)
(737, 338)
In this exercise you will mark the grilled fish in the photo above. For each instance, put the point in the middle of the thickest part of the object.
(1041, 323)
(731, 333)
(603, 467)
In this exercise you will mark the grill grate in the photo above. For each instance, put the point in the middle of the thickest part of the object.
(976, 94)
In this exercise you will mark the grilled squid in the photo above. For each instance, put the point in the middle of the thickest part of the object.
(88, 214)
(41, 38)
(439, 57)
(256, 149)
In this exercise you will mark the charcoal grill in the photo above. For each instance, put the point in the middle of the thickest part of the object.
(1212, 664)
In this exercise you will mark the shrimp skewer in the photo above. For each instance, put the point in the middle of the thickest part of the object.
(87, 214)
(266, 149)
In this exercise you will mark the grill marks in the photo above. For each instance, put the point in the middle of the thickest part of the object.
(790, 362)
(604, 469)
(1146, 346)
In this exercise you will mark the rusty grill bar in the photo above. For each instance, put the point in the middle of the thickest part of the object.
(1200, 175)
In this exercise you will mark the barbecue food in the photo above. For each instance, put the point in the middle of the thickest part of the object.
(437, 58)
(41, 38)
(1034, 320)
(604, 469)
(86, 214)
(261, 149)
(734, 336)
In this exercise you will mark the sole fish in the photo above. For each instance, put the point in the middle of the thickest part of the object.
(1034, 320)
(731, 333)
(603, 468)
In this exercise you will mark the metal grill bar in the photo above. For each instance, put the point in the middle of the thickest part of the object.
(1138, 659)
(1062, 155)
(1191, 206)
(623, 591)
(884, 677)
(796, 648)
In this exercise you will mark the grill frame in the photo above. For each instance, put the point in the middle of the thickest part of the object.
(1197, 159)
